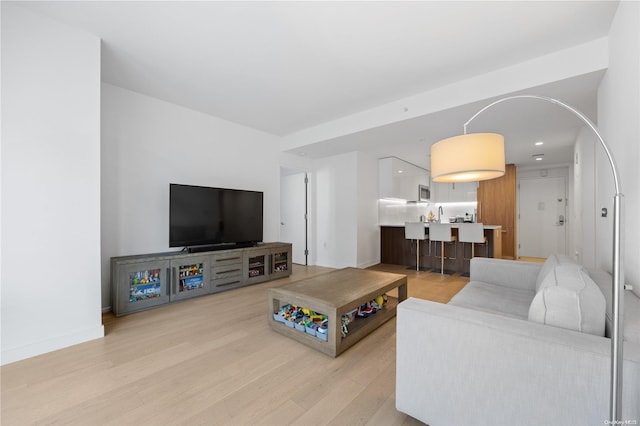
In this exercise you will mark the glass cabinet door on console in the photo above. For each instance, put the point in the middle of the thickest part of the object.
(190, 277)
(142, 285)
(256, 266)
(280, 263)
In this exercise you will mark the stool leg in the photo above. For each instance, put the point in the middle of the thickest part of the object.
(441, 257)
(417, 255)
(473, 253)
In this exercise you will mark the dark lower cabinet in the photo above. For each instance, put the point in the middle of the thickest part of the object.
(395, 249)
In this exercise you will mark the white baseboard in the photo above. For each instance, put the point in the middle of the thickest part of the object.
(49, 345)
(368, 264)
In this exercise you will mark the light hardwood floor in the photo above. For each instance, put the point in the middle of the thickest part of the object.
(214, 361)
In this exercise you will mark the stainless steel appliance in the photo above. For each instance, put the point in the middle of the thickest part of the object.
(424, 193)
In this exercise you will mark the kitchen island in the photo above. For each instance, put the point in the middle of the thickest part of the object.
(397, 250)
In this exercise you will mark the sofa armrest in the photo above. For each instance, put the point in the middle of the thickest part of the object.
(459, 366)
(507, 273)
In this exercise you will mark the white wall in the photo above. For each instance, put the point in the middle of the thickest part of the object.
(335, 213)
(584, 212)
(147, 144)
(345, 212)
(368, 249)
(618, 112)
(50, 185)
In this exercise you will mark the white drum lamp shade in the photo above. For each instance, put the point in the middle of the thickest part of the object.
(467, 158)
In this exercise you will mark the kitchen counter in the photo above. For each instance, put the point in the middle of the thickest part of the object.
(453, 225)
(396, 249)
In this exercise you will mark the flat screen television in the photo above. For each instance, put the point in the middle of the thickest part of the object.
(204, 216)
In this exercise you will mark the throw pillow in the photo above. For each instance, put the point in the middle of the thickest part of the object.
(550, 264)
(569, 298)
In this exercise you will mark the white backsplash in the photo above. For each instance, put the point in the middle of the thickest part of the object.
(397, 213)
(455, 209)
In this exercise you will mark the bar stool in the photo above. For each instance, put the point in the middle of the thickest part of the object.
(442, 233)
(472, 233)
(415, 231)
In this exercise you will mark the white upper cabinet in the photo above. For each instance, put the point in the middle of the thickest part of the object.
(398, 179)
(454, 192)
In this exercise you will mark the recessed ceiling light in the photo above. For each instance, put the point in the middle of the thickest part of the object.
(538, 158)
(400, 171)
(539, 143)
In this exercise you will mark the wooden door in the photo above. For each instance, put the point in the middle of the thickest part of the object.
(497, 206)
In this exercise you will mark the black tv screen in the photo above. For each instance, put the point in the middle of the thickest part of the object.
(201, 215)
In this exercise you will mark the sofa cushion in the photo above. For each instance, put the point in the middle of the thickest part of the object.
(603, 281)
(631, 322)
(631, 309)
(569, 298)
(507, 273)
(550, 264)
(481, 296)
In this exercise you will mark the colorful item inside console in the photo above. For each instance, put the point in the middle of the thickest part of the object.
(316, 323)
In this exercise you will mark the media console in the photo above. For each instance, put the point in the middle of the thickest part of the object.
(145, 281)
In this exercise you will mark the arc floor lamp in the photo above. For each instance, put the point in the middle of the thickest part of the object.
(480, 156)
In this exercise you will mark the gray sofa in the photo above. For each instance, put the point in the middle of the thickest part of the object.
(522, 343)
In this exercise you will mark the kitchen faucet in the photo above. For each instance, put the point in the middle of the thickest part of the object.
(440, 212)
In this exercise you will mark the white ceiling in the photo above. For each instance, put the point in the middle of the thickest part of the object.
(282, 67)
(522, 122)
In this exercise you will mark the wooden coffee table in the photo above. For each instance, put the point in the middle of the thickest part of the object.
(335, 294)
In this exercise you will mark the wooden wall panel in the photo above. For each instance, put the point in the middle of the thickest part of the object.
(497, 206)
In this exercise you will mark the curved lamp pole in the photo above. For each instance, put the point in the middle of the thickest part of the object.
(615, 406)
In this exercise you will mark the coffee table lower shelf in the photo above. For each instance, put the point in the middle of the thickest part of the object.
(358, 287)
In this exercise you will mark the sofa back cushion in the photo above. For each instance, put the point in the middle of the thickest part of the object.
(603, 281)
(550, 264)
(631, 309)
(569, 298)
